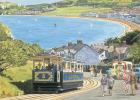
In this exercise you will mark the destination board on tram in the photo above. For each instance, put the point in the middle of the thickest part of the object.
(43, 76)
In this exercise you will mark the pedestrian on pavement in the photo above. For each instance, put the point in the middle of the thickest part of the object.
(133, 82)
(95, 72)
(104, 84)
(126, 83)
(111, 82)
(100, 73)
(91, 72)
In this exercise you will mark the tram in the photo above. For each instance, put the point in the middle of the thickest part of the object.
(53, 73)
(121, 67)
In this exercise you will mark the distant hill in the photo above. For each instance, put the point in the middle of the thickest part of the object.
(97, 3)
(7, 4)
(77, 7)
(41, 7)
(12, 8)
(9, 8)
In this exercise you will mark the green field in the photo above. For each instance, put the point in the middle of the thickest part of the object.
(76, 11)
(16, 80)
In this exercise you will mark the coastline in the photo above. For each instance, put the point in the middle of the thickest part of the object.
(117, 21)
(128, 26)
(131, 25)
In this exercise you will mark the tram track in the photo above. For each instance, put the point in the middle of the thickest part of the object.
(87, 86)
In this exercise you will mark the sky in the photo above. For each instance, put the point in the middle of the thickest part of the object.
(29, 2)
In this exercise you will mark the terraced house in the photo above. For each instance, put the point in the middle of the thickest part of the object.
(78, 51)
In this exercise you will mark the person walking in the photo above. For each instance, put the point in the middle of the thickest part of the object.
(126, 83)
(104, 84)
(91, 72)
(100, 73)
(111, 82)
(133, 82)
(95, 71)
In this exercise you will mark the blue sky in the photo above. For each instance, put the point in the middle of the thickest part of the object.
(28, 2)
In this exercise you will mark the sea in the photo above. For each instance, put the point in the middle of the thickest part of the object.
(50, 32)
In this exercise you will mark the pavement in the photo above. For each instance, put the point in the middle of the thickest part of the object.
(96, 94)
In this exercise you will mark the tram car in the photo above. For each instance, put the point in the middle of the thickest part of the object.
(119, 68)
(53, 73)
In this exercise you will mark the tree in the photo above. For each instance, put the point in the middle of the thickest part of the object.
(5, 32)
(16, 53)
(134, 53)
(11, 55)
(131, 37)
(113, 41)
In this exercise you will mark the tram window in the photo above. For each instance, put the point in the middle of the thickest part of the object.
(78, 67)
(129, 66)
(116, 66)
(36, 68)
(44, 68)
(72, 67)
(63, 66)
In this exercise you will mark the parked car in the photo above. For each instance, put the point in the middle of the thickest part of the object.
(137, 72)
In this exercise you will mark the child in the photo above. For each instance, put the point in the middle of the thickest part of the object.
(111, 82)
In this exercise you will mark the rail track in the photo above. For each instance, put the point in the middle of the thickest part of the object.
(87, 86)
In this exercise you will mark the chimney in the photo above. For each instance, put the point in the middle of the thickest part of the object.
(70, 44)
(79, 42)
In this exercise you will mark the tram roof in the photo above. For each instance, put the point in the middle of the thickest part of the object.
(122, 62)
(41, 57)
(71, 60)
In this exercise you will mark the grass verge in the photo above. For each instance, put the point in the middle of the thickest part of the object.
(16, 80)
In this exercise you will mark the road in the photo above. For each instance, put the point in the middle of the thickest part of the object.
(88, 85)
(90, 91)
(118, 94)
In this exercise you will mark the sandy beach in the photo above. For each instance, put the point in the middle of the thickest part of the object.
(130, 25)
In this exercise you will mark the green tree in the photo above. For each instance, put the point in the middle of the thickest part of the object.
(11, 55)
(134, 53)
(14, 52)
(5, 32)
(132, 37)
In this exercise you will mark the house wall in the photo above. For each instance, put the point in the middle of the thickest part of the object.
(87, 55)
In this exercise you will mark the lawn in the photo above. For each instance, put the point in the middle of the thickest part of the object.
(76, 11)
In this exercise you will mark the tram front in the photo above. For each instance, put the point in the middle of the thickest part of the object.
(46, 73)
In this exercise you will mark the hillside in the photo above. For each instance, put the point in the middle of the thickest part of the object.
(77, 7)
(15, 67)
(16, 80)
(7, 8)
(75, 11)
(63, 7)
(4, 30)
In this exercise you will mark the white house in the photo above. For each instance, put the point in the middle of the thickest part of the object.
(87, 55)
(78, 51)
